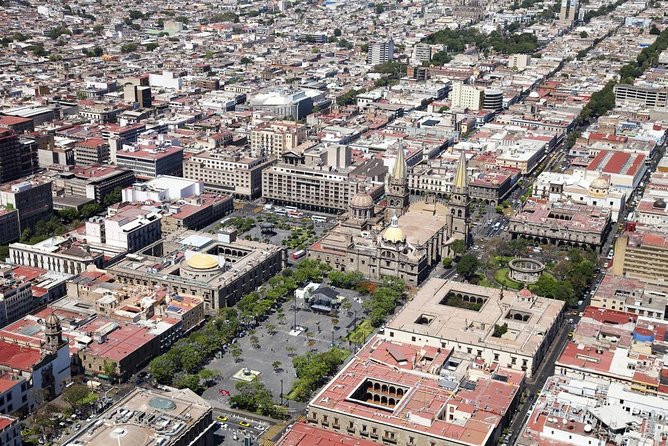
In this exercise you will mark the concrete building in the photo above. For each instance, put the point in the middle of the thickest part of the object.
(166, 80)
(10, 155)
(138, 94)
(15, 300)
(33, 200)
(130, 229)
(229, 173)
(380, 52)
(561, 223)
(647, 95)
(91, 152)
(163, 188)
(625, 170)
(569, 12)
(220, 270)
(293, 104)
(318, 179)
(91, 182)
(276, 137)
(150, 161)
(641, 253)
(462, 317)
(169, 417)
(9, 226)
(396, 392)
(465, 96)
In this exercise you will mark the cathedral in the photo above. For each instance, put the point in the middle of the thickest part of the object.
(404, 239)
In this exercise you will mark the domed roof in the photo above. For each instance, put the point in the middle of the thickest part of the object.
(534, 94)
(52, 319)
(394, 234)
(659, 203)
(203, 261)
(362, 200)
(600, 183)
(524, 292)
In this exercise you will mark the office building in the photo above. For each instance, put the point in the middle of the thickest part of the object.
(380, 52)
(423, 52)
(227, 172)
(492, 100)
(59, 254)
(165, 417)
(10, 155)
(289, 103)
(569, 11)
(33, 200)
(91, 151)
(462, 317)
(150, 162)
(15, 300)
(130, 228)
(89, 182)
(276, 137)
(137, 94)
(9, 226)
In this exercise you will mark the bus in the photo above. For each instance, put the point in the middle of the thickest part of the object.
(280, 211)
(319, 219)
(291, 209)
(298, 254)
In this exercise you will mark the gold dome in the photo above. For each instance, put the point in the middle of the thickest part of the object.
(203, 261)
(394, 234)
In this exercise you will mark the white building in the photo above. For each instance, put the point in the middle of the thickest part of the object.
(130, 229)
(165, 80)
(555, 187)
(380, 52)
(161, 189)
(466, 96)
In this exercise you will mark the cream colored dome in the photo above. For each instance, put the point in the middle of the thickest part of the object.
(203, 261)
(362, 200)
(600, 183)
(394, 234)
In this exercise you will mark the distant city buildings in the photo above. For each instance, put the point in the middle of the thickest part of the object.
(380, 52)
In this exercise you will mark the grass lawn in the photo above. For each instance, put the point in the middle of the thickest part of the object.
(361, 332)
(501, 276)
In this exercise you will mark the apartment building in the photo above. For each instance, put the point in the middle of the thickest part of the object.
(229, 173)
(276, 137)
(91, 151)
(92, 182)
(15, 300)
(380, 52)
(466, 96)
(130, 229)
(150, 162)
(9, 226)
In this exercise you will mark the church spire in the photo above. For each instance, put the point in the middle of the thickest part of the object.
(461, 177)
(399, 169)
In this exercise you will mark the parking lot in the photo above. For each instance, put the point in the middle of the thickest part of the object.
(277, 347)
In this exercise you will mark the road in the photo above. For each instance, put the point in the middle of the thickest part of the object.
(231, 430)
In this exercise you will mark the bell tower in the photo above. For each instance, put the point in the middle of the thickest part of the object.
(459, 221)
(53, 332)
(396, 188)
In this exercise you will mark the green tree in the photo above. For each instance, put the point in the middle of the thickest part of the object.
(584, 34)
(447, 262)
(245, 61)
(115, 196)
(151, 46)
(254, 397)
(185, 380)
(467, 266)
(129, 48)
(654, 30)
(163, 368)
(337, 32)
(458, 247)
(75, 395)
(500, 330)
(97, 29)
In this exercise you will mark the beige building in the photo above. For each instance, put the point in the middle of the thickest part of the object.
(415, 240)
(466, 96)
(229, 173)
(463, 317)
(91, 151)
(642, 254)
(276, 137)
(631, 296)
(221, 270)
(317, 179)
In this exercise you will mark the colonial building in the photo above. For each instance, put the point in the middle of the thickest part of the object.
(415, 239)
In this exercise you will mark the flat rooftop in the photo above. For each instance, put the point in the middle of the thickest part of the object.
(419, 400)
(146, 417)
(431, 313)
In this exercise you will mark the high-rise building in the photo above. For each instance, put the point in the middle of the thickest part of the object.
(10, 155)
(466, 96)
(380, 52)
(138, 94)
(569, 11)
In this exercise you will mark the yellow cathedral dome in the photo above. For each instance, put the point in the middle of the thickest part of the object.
(394, 234)
(203, 261)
